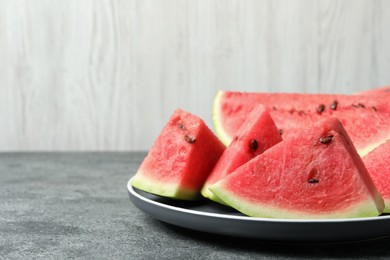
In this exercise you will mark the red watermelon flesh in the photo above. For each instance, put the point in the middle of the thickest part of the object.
(257, 134)
(377, 164)
(181, 158)
(317, 174)
(366, 118)
(376, 91)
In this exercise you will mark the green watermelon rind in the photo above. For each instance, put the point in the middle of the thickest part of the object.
(164, 189)
(206, 192)
(366, 208)
(387, 205)
(363, 152)
(221, 133)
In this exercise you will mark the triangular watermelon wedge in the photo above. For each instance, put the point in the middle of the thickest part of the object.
(378, 165)
(315, 175)
(180, 159)
(366, 118)
(257, 134)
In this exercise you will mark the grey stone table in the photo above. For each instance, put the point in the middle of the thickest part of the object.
(75, 205)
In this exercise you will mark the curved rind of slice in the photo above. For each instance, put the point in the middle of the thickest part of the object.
(362, 208)
(218, 119)
(375, 91)
(378, 165)
(180, 159)
(315, 175)
(161, 188)
(366, 118)
(257, 134)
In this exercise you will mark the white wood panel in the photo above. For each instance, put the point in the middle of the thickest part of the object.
(106, 75)
(380, 75)
(345, 34)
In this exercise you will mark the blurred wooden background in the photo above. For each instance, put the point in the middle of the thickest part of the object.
(106, 75)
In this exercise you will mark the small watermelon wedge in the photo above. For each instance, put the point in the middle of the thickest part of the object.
(377, 164)
(315, 175)
(257, 134)
(366, 118)
(181, 158)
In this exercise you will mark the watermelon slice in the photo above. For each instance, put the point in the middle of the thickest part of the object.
(366, 118)
(257, 134)
(377, 164)
(376, 91)
(317, 174)
(181, 158)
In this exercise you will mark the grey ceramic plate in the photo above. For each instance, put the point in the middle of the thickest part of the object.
(211, 217)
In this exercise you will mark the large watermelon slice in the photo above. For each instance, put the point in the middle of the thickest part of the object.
(366, 118)
(181, 158)
(317, 174)
(257, 134)
(378, 165)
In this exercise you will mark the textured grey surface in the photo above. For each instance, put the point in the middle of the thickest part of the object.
(75, 205)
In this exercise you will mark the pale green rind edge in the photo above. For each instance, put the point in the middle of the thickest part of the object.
(365, 208)
(364, 151)
(221, 133)
(208, 194)
(164, 189)
(387, 205)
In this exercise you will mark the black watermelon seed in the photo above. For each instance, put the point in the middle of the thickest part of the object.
(253, 145)
(313, 181)
(181, 126)
(334, 105)
(359, 105)
(326, 139)
(189, 139)
(321, 108)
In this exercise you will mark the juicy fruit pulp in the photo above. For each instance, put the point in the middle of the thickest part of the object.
(366, 118)
(377, 164)
(181, 158)
(257, 134)
(317, 174)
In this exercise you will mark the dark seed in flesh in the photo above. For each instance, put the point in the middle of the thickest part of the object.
(359, 105)
(189, 139)
(334, 105)
(181, 126)
(326, 139)
(314, 181)
(253, 145)
(321, 108)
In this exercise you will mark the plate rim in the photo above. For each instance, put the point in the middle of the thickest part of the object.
(132, 191)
